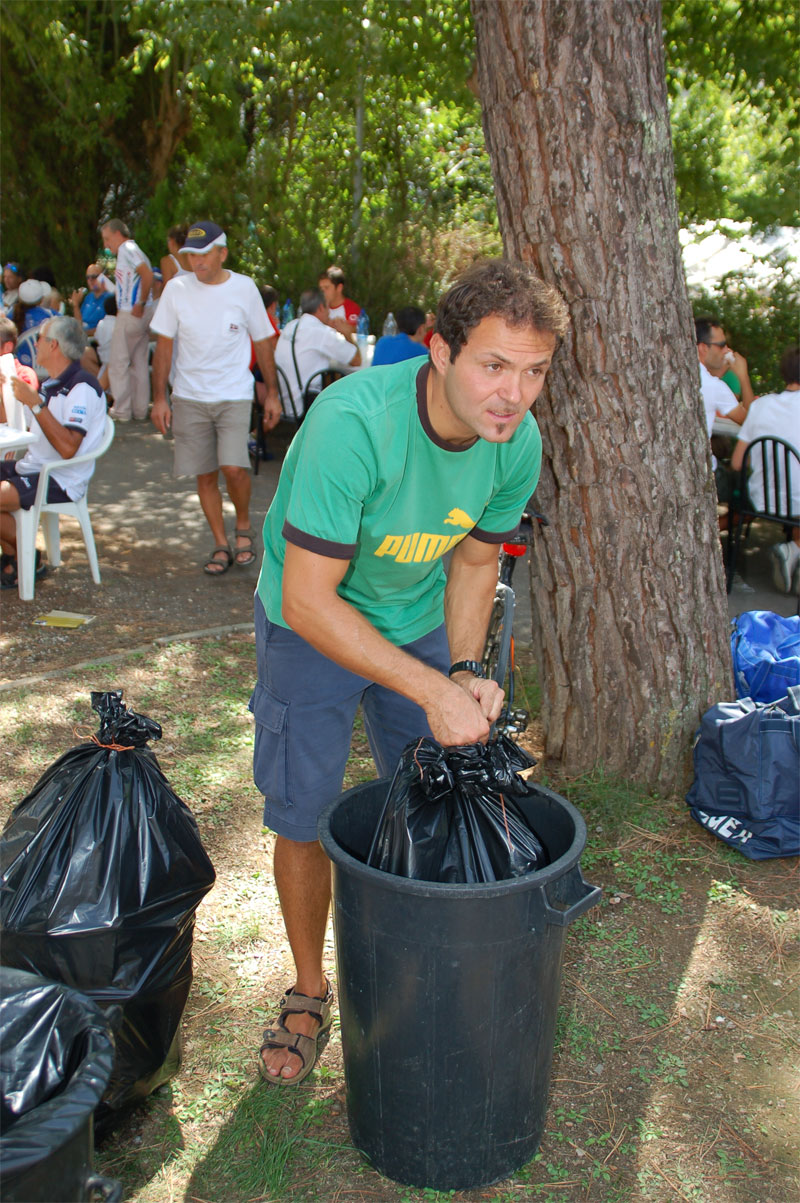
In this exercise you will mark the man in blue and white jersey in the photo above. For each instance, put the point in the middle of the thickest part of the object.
(128, 370)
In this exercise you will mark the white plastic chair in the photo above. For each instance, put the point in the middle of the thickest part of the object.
(29, 341)
(48, 513)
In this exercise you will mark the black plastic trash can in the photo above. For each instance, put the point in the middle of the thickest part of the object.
(448, 996)
(55, 1061)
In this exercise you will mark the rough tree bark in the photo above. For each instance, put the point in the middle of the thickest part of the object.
(630, 624)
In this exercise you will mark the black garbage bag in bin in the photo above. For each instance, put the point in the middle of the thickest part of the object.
(55, 1060)
(101, 871)
(450, 815)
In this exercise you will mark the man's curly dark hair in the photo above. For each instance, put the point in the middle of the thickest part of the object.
(499, 288)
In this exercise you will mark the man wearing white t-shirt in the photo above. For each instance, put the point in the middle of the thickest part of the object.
(312, 343)
(717, 397)
(777, 416)
(128, 368)
(213, 313)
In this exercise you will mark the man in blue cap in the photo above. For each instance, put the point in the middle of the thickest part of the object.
(210, 315)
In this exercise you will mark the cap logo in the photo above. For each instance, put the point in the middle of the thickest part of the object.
(197, 232)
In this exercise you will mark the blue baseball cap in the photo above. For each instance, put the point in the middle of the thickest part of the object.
(202, 236)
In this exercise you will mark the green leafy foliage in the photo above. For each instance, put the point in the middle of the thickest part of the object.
(341, 132)
(732, 70)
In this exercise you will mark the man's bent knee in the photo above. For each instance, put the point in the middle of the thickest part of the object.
(207, 480)
(9, 497)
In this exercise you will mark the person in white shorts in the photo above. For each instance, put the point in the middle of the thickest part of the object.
(128, 367)
(209, 318)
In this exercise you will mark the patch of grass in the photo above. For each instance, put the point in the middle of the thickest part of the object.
(650, 1013)
(611, 803)
(254, 1148)
(636, 987)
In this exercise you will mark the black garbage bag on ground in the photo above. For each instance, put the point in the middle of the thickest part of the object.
(101, 871)
(450, 815)
(56, 1055)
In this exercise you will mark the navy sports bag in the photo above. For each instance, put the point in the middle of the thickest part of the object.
(746, 786)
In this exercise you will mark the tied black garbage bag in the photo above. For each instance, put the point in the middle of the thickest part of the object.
(55, 1062)
(101, 871)
(450, 815)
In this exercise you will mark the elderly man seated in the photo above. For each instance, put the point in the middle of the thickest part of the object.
(68, 416)
(313, 342)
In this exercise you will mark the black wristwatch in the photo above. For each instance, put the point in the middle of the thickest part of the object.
(467, 666)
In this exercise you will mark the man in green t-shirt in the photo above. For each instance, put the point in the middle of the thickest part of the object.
(392, 468)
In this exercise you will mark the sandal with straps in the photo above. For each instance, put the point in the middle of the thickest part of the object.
(216, 567)
(307, 1048)
(247, 552)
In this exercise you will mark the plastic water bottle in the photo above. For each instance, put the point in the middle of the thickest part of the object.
(287, 313)
(362, 332)
(389, 326)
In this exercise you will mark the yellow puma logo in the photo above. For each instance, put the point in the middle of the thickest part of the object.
(458, 517)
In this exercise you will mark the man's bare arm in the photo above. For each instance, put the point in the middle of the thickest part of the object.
(737, 459)
(265, 358)
(468, 599)
(145, 275)
(160, 414)
(65, 441)
(313, 608)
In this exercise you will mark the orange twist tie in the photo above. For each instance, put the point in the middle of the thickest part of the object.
(93, 738)
(416, 762)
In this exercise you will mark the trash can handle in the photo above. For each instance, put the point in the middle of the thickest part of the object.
(109, 1189)
(589, 897)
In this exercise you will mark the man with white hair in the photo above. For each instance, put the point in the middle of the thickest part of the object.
(128, 368)
(210, 315)
(68, 415)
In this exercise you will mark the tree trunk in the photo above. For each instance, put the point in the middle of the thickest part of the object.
(630, 623)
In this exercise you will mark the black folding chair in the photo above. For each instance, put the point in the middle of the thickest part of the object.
(316, 383)
(287, 401)
(780, 473)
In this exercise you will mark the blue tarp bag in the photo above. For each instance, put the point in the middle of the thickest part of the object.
(766, 654)
(746, 786)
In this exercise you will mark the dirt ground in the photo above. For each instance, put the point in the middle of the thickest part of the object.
(677, 1045)
(674, 1075)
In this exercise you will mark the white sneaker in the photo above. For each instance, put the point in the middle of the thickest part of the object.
(781, 572)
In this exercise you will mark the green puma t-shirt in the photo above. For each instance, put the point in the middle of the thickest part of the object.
(367, 479)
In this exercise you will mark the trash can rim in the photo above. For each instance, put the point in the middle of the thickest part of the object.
(43, 1131)
(463, 890)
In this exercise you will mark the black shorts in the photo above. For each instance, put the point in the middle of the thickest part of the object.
(26, 486)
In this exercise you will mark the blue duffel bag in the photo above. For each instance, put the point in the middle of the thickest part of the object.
(766, 654)
(746, 786)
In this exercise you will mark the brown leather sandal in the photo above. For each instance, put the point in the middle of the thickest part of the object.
(214, 566)
(243, 557)
(307, 1048)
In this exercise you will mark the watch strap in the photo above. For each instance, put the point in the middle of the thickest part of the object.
(467, 666)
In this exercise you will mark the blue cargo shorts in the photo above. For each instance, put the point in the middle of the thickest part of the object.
(304, 706)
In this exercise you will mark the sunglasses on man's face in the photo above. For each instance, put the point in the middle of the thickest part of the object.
(94, 277)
